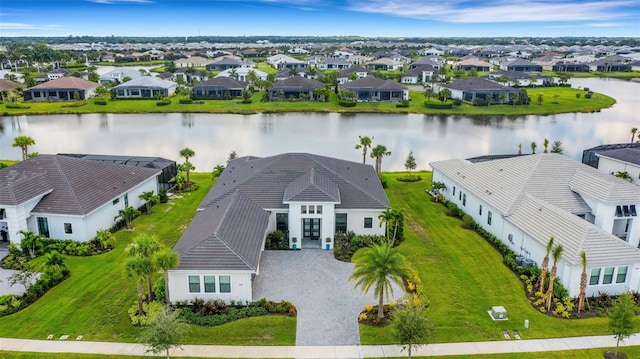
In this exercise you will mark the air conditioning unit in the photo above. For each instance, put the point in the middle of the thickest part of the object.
(498, 313)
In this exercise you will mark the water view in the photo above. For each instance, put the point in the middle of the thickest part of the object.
(213, 136)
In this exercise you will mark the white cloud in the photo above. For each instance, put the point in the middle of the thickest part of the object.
(23, 26)
(121, 1)
(460, 11)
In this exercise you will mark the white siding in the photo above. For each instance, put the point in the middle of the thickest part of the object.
(240, 286)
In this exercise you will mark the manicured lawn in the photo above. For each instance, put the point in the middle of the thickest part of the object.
(631, 352)
(463, 277)
(555, 100)
(93, 302)
(29, 355)
(617, 75)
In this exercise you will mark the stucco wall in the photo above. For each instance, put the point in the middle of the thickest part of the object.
(179, 286)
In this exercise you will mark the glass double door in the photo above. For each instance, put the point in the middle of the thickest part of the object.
(311, 228)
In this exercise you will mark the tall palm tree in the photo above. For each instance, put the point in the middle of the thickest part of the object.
(386, 219)
(398, 219)
(633, 133)
(137, 267)
(365, 144)
(557, 253)
(583, 281)
(166, 260)
(379, 267)
(146, 246)
(187, 153)
(378, 152)
(545, 265)
(546, 145)
(23, 142)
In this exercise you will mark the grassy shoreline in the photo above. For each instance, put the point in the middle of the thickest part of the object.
(556, 100)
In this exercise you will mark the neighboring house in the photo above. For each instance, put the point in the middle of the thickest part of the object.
(344, 53)
(145, 87)
(295, 87)
(516, 64)
(525, 200)
(281, 61)
(9, 87)
(425, 61)
(189, 75)
(479, 88)
(118, 75)
(621, 160)
(359, 59)
(418, 75)
(68, 198)
(219, 88)
(374, 89)
(168, 167)
(225, 64)
(309, 197)
(360, 72)
(57, 73)
(240, 73)
(570, 67)
(194, 61)
(385, 64)
(472, 64)
(614, 63)
(518, 78)
(333, 64)
(590, 156)
(62, 89)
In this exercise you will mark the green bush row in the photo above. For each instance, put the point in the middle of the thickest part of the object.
(100, 102)
(17, 105)
(164, 102)
(438, 105)
(345, 103)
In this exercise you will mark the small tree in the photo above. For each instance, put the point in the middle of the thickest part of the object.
(102, 235)
(232, 156)
(217, 171)
(23, 142)
(545, 143)
(164, 333)
(30, 243)
(410, 162)
(621, 316)
(127, 215)
(533, 147)
(187, 166)
(556, 147)
(364, 144)
(410, 324)
(149, 199)
(23, 277)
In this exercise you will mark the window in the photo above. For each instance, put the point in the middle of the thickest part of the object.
(318, 209)
(607, 278)
(480, 210)
(225, 284)
(303, 209)
(3, 213)
(368, 222)
(311, 209)
(594, 279)
(194, 284)
(68, 229)
(460, 196)
(454, 190)
(282, 222)
(126, 200)
(489, 214)
(209, 284)
(341, 222)
(621, 277)
(116, 201)
(43, 226)
(464, 199)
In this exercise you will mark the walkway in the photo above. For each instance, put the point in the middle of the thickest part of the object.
(327, 352)
(318, 285)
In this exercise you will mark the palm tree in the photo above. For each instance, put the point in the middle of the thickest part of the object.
(146, 246)
(102, 235)
(633, 133)
(546, 145)
(379, 267)
(533, 147)
(166, 260)
(127, 215)
(557, 252)
(545, 265)
(53, 263)
(386, 219)
(30, 242)
(378, 152)
(365, 144)
(583, 281)
(149, 199)
(187, 153)
(137, 267)
(23, 142)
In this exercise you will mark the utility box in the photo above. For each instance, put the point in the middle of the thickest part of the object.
(498, 313)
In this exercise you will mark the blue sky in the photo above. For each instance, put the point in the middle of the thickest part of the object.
(397, 18)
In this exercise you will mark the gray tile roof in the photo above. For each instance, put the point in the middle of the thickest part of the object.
(538, 193)
(476, 84)
(373, 83)
(223, 81)
(629, 155)
(229, 230)
(298, 82)
(78, 186)
(148, 81)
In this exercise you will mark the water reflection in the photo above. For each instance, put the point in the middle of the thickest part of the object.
(430, 137)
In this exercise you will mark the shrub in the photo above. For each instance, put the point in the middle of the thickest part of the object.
(468, 222)
(345, 103)
(17, 105)
(75, 104)
(185, 101)
(164, 102)
(277, 240)
(403, 103)
(160, 290)
(438, 105)
(409, 178)
(100, 102)
(457, 102)
(152, 309)
(588, 94)
(383, 181)
(163, 195)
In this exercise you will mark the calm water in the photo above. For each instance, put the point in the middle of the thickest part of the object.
(431, 138)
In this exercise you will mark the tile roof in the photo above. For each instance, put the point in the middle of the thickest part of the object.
(148, 81)
(66, 83)
(229, 229)
(8, 85)
(223, 81)
(475, 84)
(297, 82)
(373, 82)
(629, 155)
(77, 186)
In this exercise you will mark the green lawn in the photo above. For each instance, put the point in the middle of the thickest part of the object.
(30, 355)
(617, 75)
(463, 277)
(555, 100)
(631, 352)
(93, 302)
(8, 162)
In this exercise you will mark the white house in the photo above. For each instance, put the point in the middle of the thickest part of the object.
(621, 160)
(525, 200)
(68, 198)
(307, 196)
(146, 87)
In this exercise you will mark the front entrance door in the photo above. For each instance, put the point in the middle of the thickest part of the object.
(311, 228)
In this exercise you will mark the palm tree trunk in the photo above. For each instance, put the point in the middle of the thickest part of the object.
(140, 307)
(552, 279)
(166, 287)
(150, 289)
(364, 154)
(583, 289)
(543, 274)
(381, 304)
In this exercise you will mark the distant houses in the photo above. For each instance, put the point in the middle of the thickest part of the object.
(62, 89)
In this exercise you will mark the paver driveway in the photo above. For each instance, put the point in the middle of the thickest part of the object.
(318, 285)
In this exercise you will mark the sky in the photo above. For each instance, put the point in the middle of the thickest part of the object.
(368, 18)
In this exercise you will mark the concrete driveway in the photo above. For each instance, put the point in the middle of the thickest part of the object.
(318, 285)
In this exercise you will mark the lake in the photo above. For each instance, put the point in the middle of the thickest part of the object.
(431, 138)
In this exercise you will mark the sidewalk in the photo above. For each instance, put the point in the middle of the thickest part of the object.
(328, 352)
